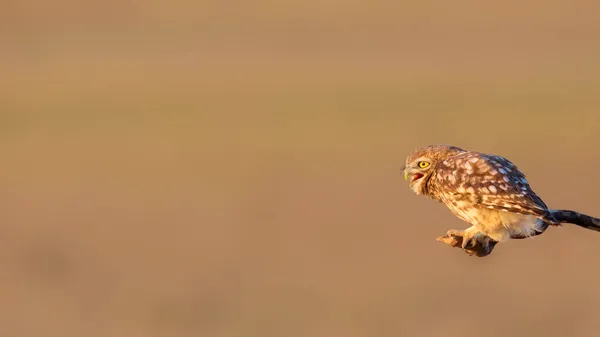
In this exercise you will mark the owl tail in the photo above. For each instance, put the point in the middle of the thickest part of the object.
(576, 218)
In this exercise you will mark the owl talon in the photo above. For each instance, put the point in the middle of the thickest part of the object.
(483, 245)
(472, 240)
(467, 243)
(467, 239)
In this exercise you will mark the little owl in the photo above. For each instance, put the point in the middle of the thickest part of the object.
(487, 191)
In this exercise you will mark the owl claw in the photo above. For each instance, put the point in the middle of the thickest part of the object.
(477, 244)
(469, 242)
(466, 238)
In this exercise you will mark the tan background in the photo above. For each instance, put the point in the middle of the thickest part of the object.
(231, 169)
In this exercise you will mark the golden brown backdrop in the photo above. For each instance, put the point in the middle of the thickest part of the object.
(232, 169)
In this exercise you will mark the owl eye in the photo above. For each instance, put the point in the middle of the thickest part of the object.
(423, 164)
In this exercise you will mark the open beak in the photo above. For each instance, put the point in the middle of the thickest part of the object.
(411, 176)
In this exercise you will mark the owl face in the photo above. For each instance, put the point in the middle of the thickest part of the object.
(420, 164)
(417, 172)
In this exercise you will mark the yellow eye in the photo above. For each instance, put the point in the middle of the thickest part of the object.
(423, 164)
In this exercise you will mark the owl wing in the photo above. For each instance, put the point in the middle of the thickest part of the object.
(490, 181)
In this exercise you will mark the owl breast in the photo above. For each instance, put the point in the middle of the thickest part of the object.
(463, 207)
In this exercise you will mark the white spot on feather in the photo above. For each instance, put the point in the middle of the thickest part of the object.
(492, 189)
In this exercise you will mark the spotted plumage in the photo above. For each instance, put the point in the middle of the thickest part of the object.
(487, 191)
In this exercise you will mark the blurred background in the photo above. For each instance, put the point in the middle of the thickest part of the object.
(232, 169)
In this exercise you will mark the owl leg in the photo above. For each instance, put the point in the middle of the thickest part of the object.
(481, 249)
(471, 240)
(469, 236)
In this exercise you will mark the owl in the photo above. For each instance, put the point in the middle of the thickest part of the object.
(487, 191)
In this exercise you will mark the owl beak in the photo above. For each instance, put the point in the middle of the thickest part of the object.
(405, 174)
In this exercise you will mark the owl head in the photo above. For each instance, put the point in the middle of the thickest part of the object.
(421, 163)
